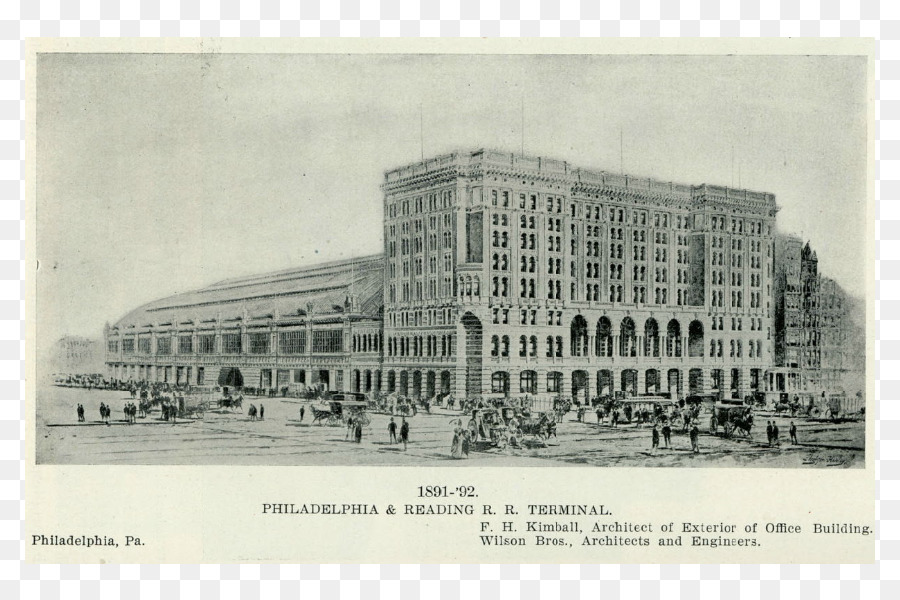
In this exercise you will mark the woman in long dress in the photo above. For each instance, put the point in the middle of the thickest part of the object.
(456, 450)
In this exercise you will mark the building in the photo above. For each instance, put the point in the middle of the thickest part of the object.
(502, 274)
(304, 327)
(811, 322)
(508, 274)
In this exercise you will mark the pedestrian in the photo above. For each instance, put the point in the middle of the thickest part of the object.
(392, 431)
(302, 412)
(599, 415)
(349, 428)
(793, 431)
(404, 433)
(775, 433)
(79, 412)
(695, 438)
(358, 431)
(262, 411)
(667, 433)
(615, 418)
(655, 437)
(769, 432)
(102, 411)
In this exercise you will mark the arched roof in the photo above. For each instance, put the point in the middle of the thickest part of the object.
(325, 286)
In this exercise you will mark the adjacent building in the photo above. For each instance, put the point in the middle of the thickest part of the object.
(811, 322)
(507, 274)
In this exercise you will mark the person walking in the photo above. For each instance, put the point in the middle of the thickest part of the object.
(667, 433)
(775, 433)
(599, 415)
(358, 431)
(392, 431)
(769, 432)
(262, 411)
(349, 428)
(793, 432)
(695, 438)
(404, 433)
(655, 437)
(302, 413)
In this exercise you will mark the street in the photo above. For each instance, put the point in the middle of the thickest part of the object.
(224, 437)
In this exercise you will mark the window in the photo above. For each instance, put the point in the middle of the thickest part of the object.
(112, 346)
(292, 342)
(207, 343)
(231, 343)
(259, 343)
(144, 345)
(328, 341)
(128, 346)
(528, 382)
(163, 345)
(500, 382)
(554, 382)
(185, 344)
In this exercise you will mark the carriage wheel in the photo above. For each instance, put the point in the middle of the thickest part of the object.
(364, 419)
(815, 412)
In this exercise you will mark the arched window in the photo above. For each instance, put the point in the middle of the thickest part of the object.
(651, 338)
(532, 349)
(523, 346)
(628, 338)
(504, 351)
(495, 345)
(673, 338)
(500, 382)
(604, 337)
(578, 333)
(528, 382)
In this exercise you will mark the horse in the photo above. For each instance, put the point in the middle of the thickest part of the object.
(743, 423)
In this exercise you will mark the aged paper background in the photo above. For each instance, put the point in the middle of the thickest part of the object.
(213, 514)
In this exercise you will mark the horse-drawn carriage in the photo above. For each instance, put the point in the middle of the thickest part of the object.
(338, 411)
(231, 403)
(731, 418)
(194, 410)
(839, 406)
(487, 425)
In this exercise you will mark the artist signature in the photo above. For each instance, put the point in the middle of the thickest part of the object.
(828, 461)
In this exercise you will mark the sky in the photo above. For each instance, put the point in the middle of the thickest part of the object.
(162, 173)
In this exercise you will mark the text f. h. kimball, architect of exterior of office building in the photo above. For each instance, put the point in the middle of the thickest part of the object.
(501, 274)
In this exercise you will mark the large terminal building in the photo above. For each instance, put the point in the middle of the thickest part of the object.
(501, 274)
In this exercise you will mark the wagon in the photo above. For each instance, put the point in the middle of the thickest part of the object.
(488, 425)
(338, 412)
(731, 417)
(195, 411)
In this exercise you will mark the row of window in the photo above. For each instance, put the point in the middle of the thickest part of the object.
(421, 346)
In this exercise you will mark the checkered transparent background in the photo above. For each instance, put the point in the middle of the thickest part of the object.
(470, 18)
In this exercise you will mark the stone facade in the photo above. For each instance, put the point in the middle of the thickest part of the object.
(510, 275)
(528, 275)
